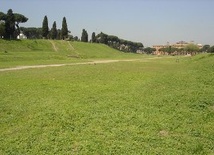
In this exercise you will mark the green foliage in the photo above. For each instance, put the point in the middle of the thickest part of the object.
(102, 38)
(54, 31)
(10, 21)
(2, 30)
(76, 38)
(19, 18)
(120, 44)
(64, 31)
(93, 37)
(149, 50)
(32, 32)
(191, 48)
(84, 37)
(205, 48)
(45, 28)
(211, 50)
(10, 25)
(2, 16)
(169, 49)
(155, 106)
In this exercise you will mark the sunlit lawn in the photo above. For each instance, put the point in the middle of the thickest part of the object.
(144, 107)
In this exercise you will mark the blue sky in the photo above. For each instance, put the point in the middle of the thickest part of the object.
(148, 21)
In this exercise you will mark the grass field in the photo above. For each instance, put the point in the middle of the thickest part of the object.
(150, 106)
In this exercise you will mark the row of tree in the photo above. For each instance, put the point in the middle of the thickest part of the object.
(9, 29)
(54, 33)
(117, 43)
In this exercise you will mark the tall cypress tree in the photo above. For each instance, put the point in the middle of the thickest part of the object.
(64, 31)
(84, 37)
(54, 31)
(45, 29)
(93, 38)
(10, 25)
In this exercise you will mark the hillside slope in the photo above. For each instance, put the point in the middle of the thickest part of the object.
(32, 52)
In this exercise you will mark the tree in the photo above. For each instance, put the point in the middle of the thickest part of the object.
(54, 31)
(32, 32)
(2, 30)
(19, 18)
(10, 25)
(149, 50)
(76, 38)
(2, 24)
(117, 43)
(205, 48)
(102, 38)
(84, 37)
(211, 50)
(93, 37)
(10, 22)
(2, 16)
(192, 48)
(45, 28)
(64, 31)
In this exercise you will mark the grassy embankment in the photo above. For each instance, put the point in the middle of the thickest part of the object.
(37, 52)
(143, 107)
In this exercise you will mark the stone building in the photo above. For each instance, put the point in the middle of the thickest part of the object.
(178, 45)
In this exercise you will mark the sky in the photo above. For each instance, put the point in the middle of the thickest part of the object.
(151, 22)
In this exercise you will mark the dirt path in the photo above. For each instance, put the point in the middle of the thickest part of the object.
(73, 50)
(58, 65)
(54, 46)
(71, 47)
(73, 64)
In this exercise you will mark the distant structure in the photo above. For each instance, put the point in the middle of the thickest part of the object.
(179, 45)
(21, 36)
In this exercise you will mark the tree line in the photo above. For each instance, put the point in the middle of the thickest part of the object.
(53, 33)
(10, 20)
(9, 29)
(117, 43)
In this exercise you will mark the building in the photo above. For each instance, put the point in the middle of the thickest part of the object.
(157, 51)
(21, 36)
(178, 45)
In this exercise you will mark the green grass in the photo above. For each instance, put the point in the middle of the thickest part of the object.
(156, 106)
(37, 52)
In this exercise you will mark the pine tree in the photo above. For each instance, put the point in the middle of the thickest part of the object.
(54, 31)
(84, 37)
(45, 29)
(93, 38)
(64, 31)
(9, 24)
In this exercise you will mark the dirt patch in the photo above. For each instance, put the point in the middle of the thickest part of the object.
(164, 133)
